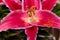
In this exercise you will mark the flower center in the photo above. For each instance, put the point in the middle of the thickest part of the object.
(31, 13)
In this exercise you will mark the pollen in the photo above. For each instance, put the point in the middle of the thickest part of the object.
(29, 20)
(35, 20)
(31, 13)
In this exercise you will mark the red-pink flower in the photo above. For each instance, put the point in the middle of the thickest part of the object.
(29, 16)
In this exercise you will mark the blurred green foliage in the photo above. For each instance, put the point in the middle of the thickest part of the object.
(3, 11)
(57, 9)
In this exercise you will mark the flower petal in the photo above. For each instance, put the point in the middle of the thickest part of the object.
(31, 33)
(1, 2)
(2, 28)
(13, 4)
(29, 3)
(14, 20)
(48, 4)
(49, 19)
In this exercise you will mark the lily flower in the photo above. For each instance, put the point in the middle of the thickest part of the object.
(28, 17)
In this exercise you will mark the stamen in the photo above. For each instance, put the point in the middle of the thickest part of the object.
(28, 20)
(31, 13)
(33, 7)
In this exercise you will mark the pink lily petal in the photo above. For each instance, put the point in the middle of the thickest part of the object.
(13, 4)
(2, 28)
(1, 2)
(49, 19)
(48, 4)
(29, 3)
(58, 1)
(31, 33)
(14, 20)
